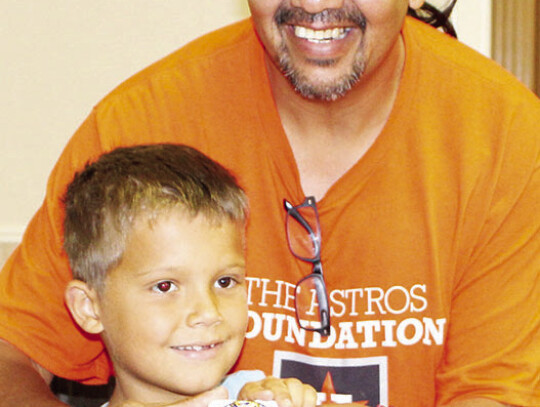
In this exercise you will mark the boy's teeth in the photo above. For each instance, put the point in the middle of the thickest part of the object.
(320, 35)
(196, 348)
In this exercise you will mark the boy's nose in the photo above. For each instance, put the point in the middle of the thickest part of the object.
(204, 310)
(316, 6)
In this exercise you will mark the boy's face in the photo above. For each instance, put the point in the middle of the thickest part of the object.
(174, 312)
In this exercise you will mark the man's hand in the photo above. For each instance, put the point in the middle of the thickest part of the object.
(23, 383)
(286, 392)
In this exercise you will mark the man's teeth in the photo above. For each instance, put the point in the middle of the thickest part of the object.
(320, 35)
(196, 348)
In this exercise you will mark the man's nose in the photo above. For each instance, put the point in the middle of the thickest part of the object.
(316, 6)
(204, 310)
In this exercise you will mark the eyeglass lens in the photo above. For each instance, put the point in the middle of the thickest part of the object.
(303, 233)
(311, 303)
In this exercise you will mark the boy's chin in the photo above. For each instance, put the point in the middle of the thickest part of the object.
(195, 386)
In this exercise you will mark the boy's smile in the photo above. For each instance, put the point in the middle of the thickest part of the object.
(174, 311)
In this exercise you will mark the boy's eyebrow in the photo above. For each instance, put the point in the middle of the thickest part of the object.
(240, 265)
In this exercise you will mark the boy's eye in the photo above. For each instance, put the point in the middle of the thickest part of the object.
(226, 282)
(164, 287)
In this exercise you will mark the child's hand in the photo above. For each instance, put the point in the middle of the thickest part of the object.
(286, 392)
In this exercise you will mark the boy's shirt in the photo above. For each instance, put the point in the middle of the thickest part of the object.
(235, 381)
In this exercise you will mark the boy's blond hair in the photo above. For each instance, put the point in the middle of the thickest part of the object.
(105, 198)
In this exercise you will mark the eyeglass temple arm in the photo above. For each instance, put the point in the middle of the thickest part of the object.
(291, 210)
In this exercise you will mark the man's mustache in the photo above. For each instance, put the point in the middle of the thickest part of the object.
(297, 16)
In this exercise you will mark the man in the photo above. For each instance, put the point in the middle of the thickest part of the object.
(409, 169)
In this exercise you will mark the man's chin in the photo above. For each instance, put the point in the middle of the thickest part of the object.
(327, 89)
(323, 93)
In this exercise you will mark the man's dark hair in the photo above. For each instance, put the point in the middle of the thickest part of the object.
(128, 183)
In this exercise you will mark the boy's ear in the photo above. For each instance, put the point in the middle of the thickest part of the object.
(83, 304)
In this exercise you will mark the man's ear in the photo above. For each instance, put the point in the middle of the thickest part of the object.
(83, 304)
(416, 4)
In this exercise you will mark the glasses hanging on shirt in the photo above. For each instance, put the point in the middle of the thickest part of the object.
(304, 239)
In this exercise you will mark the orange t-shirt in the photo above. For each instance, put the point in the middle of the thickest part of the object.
(430, 244)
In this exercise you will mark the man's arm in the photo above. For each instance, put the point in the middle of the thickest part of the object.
(22, 382)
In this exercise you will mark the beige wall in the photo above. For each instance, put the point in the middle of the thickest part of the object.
(59, 57)
(472, 19)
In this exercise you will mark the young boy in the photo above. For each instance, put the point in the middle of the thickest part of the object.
(155, 239)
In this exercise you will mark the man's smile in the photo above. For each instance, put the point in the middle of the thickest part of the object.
(320, 36)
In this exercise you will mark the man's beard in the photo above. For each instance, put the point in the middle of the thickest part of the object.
(338, 87)
(320, 91)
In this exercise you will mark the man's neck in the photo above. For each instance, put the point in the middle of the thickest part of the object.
(328, 138)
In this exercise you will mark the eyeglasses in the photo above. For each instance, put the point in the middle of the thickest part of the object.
(304, 239)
